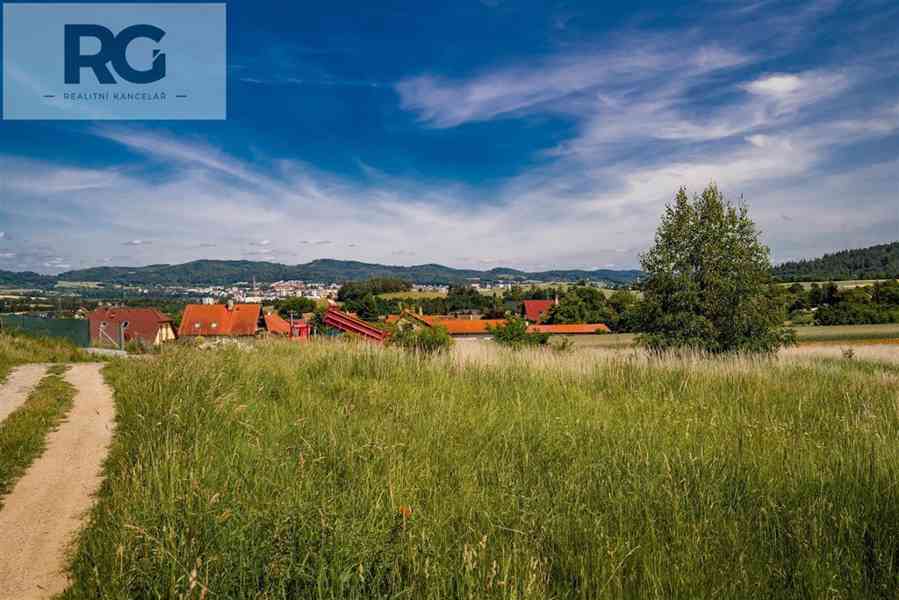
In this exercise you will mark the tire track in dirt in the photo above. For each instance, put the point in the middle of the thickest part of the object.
(44, 511)
(18, 385)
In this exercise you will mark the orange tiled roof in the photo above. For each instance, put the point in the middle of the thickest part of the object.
(468, 326)
(274, 323)
(570, 328)
(535, 309)
(217, 319)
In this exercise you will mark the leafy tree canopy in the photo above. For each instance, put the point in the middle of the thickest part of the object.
(355, 290)
(707, 284)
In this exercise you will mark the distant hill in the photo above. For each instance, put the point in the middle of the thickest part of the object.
(26, 279)
(876, 262)
(224, 272)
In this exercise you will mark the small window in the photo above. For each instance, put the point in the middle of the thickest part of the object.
(214, 325)
(196, 325)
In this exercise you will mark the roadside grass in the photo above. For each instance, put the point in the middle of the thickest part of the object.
(17, 349)
(23, 434)
(332, 470)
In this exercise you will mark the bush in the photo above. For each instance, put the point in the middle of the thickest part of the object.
(515, 334)
(563, 345)
(426, 340)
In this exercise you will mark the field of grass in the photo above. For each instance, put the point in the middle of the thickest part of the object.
(844, 284)
(20, 349)
(804, 335)
(412, 295)
(847, 333)
(23, 433)
(333, 470)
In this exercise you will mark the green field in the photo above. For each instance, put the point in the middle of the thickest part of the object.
(846, 283)
(21, 349)
(804, 334)
(412, 295)
(848, 333)
(333, 470)
(93, 285)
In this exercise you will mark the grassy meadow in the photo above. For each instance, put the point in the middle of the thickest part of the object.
(806, 334)
(333, 470)
(20, 349)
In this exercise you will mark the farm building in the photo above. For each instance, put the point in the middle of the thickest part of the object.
(238, 320)
(116, 326)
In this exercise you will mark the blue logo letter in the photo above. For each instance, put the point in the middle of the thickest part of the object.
(113, 49)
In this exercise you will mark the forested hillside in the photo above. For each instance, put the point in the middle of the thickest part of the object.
(876, 262)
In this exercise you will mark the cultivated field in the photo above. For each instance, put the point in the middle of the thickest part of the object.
(333, 470)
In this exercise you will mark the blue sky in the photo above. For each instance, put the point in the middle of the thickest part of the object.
(482, 133)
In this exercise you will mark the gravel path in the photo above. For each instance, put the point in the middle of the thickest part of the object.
(44, 511)
(15, 391)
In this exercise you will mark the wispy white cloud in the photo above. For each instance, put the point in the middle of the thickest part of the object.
(652, 112)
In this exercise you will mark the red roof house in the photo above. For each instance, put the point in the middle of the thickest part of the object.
(239, 320)
(535, 310)
(274, 323)
(118, 325)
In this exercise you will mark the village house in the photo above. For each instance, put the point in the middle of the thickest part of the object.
(233, 320)
(117, 325)
(536, 310)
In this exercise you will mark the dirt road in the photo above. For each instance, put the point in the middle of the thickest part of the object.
(45, 509)
(15, 391)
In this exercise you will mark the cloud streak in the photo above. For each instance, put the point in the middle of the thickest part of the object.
(652, 111)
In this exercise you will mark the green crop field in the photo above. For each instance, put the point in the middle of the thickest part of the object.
(333, 470)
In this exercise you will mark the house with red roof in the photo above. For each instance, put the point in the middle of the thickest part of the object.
(536, 310)
(237, 320)
(118, 325)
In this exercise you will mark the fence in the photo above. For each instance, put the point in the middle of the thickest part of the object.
(76, 331)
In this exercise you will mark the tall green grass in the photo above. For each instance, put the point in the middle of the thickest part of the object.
(23, 434)
(331, 471)
(17, 349)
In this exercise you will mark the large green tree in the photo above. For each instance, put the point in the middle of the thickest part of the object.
(708, 281)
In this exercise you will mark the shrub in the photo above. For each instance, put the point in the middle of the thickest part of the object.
(426, 340)
(515, 334)
(563, 345)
